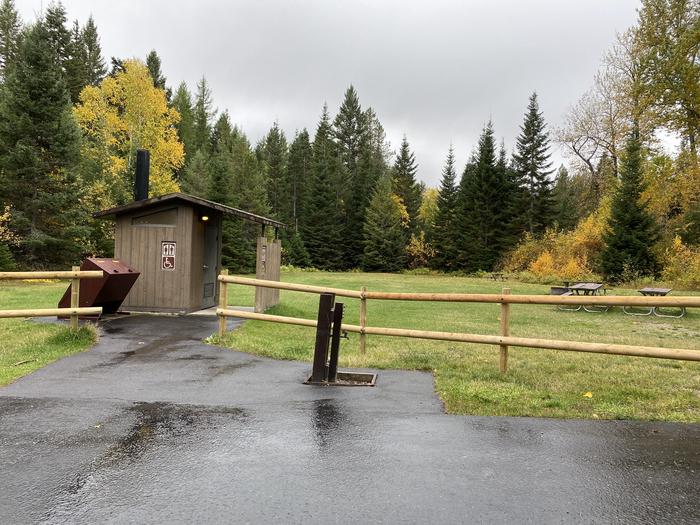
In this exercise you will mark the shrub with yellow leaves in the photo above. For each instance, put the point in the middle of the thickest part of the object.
(682, 265)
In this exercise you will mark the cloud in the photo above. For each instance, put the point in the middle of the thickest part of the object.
(435, 70)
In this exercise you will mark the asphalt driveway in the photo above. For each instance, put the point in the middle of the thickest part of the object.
(152, 425)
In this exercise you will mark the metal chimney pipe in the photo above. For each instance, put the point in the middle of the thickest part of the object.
(143, 167)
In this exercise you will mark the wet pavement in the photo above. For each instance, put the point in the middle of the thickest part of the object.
(152, 425)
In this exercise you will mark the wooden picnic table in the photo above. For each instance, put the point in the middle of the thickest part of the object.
(585, 289)
(658, 292)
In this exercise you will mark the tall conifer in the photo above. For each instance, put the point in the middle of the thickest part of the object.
(385, 230)
(482, 209)
(299, 174)
(443, 230)
(39, 145)
(10, 28)
(404, 182)
(94, 61)
(531, 162)
(322, 229)
(632, 232)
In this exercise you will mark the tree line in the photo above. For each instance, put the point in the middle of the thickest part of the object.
(70, 126)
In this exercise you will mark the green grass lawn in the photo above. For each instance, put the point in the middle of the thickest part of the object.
(547, 383)
(26, 345)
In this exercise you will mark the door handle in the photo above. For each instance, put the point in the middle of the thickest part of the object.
(205, 267)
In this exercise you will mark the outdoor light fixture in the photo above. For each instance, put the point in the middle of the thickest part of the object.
(205, 218)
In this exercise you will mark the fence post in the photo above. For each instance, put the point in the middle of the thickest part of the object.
(74, 298)
(363, 321)
(505, 314)
(223, 303)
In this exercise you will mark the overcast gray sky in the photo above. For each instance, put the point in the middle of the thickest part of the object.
(435, 70)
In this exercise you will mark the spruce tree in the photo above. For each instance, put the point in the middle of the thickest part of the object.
(247, 192)
(95, 67)
(531, 162)
(203, 115)
(443, 238)
(565, 203)
(195, 176)
(154, 68)
(39, 146)
(404, 183)
(182, 102)
(299, 173)
(57, 32)
(482, 209)
(10, 29)
(631, 232)
(350, 130)
(322, 225)
(385, 231)
(76, 64)
(295, 253)
(274, 154)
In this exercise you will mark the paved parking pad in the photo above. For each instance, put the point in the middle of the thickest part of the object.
(152, 425)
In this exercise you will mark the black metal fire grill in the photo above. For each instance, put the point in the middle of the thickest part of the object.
(329, 332)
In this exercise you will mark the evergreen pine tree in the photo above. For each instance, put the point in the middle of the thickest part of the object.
(10, 29)
(295, 252)
(76, 64)
(404, 183)
(95, 68)
(154, 68)
(182, 102)
(532, 164)
(443, 238)
(274, 155)
(385, 230)
(632, 232)
(203, 115)
(482, 204)
(565, 204)
(350, 129)
(58, 34)
(322, 225)
(195, 176)
(247, 192)
(299, 173)
(39, 144)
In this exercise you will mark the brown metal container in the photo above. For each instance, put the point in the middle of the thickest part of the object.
(108, 292)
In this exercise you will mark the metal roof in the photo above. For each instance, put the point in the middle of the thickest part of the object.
(190, 199)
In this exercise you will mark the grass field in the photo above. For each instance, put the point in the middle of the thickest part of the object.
(539, 382)
(26, 345)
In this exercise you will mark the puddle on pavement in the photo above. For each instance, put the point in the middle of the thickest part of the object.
(156, 428)
(218, 371)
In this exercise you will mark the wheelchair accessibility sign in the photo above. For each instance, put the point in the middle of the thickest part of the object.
(167, 259)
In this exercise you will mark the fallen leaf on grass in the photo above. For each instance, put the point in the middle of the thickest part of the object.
(588, 394)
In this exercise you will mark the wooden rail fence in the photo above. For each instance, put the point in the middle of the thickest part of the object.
(505, 299)
(75, 275)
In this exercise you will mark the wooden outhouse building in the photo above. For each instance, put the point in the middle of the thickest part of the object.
(174, 240)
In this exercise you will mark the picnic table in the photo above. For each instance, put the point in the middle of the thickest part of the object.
(585, 289)
(656, 310)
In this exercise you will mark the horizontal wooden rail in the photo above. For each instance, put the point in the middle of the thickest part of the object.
(288, 286)
(48, 312)
(574, 346)
(87, 274)
(607, 300)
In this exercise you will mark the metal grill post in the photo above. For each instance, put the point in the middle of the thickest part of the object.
(335, 342)
(319, 373)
